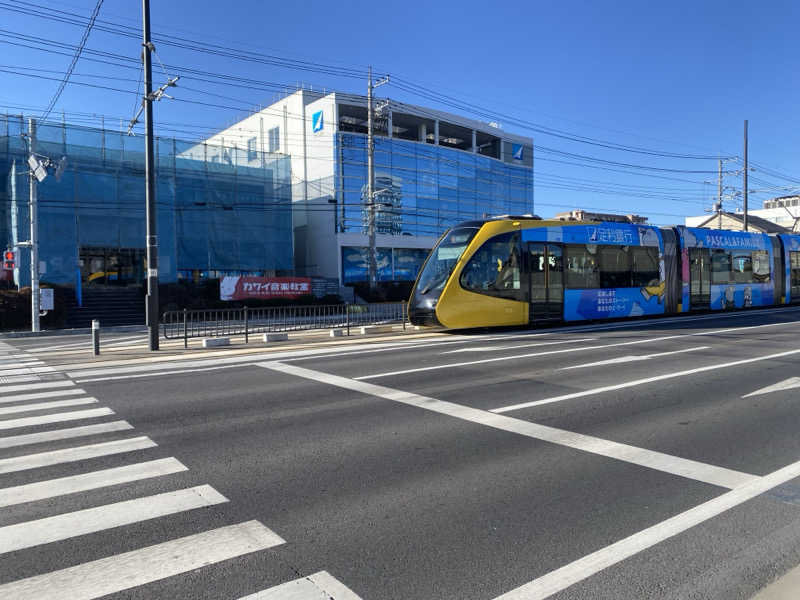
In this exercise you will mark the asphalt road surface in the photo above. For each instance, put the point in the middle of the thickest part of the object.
(651, 459)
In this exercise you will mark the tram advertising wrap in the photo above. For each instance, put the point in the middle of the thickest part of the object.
(584, 253)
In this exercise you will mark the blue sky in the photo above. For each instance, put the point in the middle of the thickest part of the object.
(677, 78)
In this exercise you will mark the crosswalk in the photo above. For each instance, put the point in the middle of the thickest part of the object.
(37, 433)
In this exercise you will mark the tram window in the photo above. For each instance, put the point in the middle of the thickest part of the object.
(581, 266)
(494, 268)
(644, 266)
(742, 266)
(615, 268)
(761, 268)
(794, 261)
(720, 266)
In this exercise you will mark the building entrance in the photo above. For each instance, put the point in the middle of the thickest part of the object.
(112, 266)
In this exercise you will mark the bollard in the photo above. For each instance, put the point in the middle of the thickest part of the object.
(95, 337)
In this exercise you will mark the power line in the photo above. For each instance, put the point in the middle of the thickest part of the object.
(75, 58)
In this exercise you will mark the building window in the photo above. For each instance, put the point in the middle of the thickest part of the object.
(274, 139)
(252, 153)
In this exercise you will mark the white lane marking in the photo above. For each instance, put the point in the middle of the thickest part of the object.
(319, 586)
(40, 490)
(566, 351)
(63, 434)
(41, 395)
(75, 415)
(36, 386)
(646, 380)
(7, 410)
(535, 344)
(56, 457)
(138, 567)
(786, 384)
(572, 573)
(633, 358)
(91, 520)
(639, 456)
(7, 362)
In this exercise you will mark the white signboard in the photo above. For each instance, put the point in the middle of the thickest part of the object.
(46, 301)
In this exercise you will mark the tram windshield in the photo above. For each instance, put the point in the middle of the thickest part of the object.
(443, 259)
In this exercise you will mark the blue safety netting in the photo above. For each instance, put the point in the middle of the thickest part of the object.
(220, 210)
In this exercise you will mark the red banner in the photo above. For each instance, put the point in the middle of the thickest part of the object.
(241, 287)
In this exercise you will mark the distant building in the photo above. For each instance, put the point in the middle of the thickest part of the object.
(432, 170)
(782, 212)
(585, 215)
(735, 222)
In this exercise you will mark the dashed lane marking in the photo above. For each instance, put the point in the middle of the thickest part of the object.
(73, 484)
(646, 380)
(535, 344)
(91, 520)
(139, 567)
(666, 463)
(633, 358)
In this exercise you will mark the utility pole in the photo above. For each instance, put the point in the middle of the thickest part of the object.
(149, 172)
(34, 241)
(373, 251)
(744, 177)
(719, 194)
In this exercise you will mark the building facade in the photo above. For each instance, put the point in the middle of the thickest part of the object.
(432, 170)
(779, 215)
(215, 217)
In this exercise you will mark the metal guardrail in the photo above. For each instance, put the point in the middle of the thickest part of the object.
(245, 321)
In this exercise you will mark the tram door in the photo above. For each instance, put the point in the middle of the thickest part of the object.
(546, 269)
(699, 278)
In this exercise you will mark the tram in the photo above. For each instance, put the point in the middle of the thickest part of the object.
(509, 271)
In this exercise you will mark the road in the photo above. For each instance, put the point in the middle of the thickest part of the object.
(651, 459)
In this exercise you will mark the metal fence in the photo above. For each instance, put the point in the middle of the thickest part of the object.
(187, 324)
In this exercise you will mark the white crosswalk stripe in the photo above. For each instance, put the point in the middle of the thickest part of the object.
(7, 410)
(62, 434)
(54, 457)
(37, 386)
(138, 567)
(63, 486)
(41, 395)
(319, 586)
(55, 418)
(90, 520)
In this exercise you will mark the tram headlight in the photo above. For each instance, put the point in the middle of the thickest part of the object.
(432, 303)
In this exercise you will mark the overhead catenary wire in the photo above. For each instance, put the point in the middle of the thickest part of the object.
(75, 58)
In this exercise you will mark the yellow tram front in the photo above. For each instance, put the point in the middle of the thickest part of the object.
(473, 278)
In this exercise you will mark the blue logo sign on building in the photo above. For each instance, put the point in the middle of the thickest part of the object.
(317, 122)
(516, 151)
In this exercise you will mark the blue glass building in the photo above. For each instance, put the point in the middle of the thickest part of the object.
(432, 170)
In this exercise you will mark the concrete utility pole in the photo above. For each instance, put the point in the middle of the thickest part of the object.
(149, 172)
(34, 241)
(719, 194)
(744, 177)
(373, 251)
